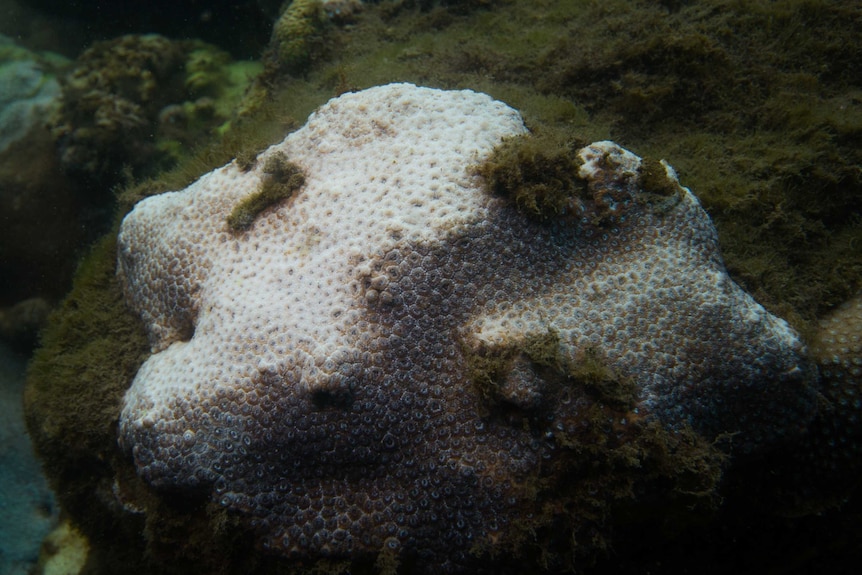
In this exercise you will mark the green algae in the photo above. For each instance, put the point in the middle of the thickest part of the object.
(610, 461)
(280, 181)
(90, 352)
(297, 34)
(139, 103)
(538, 172)
(654, 180)
(92, 345)
(243, 140)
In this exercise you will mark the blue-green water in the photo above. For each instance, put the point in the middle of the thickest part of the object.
(27, 508)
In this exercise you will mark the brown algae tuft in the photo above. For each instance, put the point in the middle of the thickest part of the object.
(281, 179)
(538, 171)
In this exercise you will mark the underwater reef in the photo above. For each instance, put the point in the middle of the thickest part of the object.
(390, 362)
(39, 235)
(756, 105)
(134, 104)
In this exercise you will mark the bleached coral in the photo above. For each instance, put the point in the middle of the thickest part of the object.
(386, 359)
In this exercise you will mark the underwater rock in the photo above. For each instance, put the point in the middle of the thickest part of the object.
(394, 362)
(139, 102)
(41, 230)
(21, 323)
(28, 90)
(297, 35)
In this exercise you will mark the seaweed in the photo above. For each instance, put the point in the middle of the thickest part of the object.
(280, 181)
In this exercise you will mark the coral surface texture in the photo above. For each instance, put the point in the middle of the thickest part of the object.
(389, 361)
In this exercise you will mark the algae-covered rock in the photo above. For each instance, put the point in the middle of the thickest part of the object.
(28, 91)
(296, 32)
(40, 232)
(140, 103)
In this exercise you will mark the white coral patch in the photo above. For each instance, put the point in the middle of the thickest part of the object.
(326, 349)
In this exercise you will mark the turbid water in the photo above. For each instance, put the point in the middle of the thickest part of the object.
(27, 510)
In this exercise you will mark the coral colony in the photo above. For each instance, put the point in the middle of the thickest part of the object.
(390, 358)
